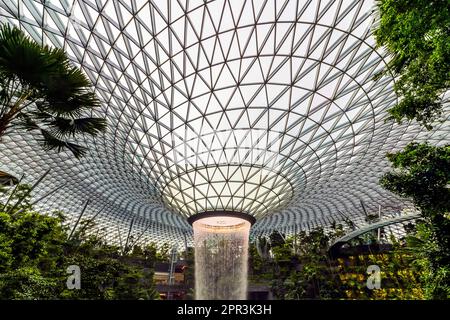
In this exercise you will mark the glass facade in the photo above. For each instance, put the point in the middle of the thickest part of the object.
(269, 108)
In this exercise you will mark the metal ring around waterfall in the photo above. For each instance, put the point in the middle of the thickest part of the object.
(234, 214)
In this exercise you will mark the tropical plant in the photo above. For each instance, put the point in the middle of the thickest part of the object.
(35, 251)
(311, 273)
(422, 248)
(422, 174)
(313, 277)
(416, 34)
(41, 91)
(30, 248)
(107, 273)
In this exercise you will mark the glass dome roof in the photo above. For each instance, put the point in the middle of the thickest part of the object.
(264, 107)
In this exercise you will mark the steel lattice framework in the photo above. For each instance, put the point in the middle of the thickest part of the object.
(261, 106)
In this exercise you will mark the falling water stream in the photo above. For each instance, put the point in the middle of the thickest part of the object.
(221, 258)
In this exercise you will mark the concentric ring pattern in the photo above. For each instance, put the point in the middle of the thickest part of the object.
(265, 107)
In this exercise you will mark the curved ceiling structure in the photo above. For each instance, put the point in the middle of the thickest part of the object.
(265, 107)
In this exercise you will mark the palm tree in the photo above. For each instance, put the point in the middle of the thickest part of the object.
(41, 91)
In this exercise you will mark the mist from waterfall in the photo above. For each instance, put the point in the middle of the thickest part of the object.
(221, 259)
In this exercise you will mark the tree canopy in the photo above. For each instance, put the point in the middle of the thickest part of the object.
(35, 251)
(40, 90)
(422, 174)
(416, 33)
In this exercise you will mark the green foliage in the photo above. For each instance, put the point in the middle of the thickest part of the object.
(41, 91)
(134, 284)
(256, 262)
(416, 33)
(35, 252)
(30, 249)
(106, 274)
(163, 254)
(427, 256)
(422, 173)
(304, 270)
(312, 279)
(399, 280)
(298, 266)
(27, 283)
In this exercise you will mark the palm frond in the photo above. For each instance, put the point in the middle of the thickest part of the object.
(46, 70)
(5, 96)
(23, 58)
(73, 106)
(66, 83)
(50, 142)
(62, 127)
(26, 122)
(41, 115)
(57, 93)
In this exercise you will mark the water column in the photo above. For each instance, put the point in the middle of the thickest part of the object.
(221, 255)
